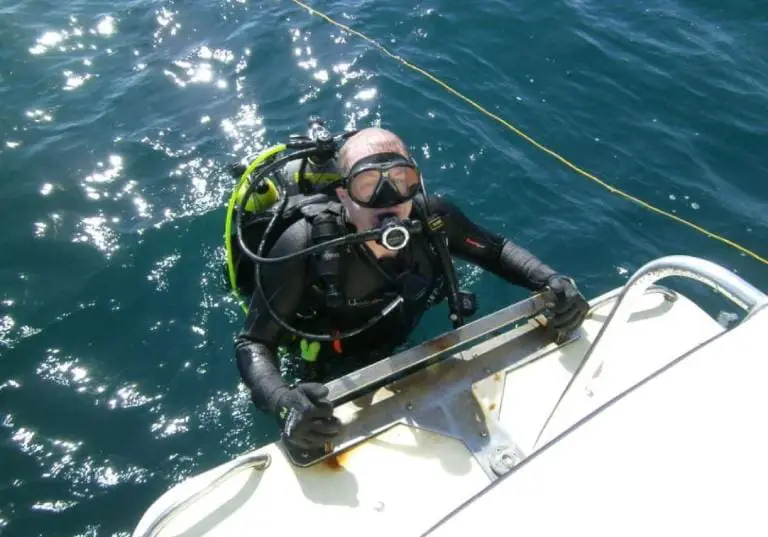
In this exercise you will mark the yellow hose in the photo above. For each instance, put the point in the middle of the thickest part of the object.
(258, 161)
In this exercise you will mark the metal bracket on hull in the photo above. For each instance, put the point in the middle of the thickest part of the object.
(436, 387)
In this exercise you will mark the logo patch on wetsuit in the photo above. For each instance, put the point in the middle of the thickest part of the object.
(435, 223)
(472, 242)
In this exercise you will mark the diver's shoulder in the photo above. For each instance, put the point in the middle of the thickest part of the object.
(295, 237)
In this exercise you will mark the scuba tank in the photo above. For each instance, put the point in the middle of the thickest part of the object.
(300, 179)
(265, 196)
(318, 172)
(310, 175)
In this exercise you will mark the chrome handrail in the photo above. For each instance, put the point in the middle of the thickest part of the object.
(733, 287)
(259, 461)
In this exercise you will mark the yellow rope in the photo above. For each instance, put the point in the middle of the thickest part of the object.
(536, 144)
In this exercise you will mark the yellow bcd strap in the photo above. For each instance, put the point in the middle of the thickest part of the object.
(309, 350)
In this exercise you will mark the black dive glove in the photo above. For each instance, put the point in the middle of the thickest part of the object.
(306, 416)
(570, 307)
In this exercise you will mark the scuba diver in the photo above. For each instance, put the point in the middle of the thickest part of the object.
(356, 302)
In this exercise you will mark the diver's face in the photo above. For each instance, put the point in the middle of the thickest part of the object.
(378, 184)
(364, 218)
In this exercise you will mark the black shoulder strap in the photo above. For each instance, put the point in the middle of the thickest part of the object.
(420, 206)
(435, 231)
(326, 225)
(315, 204)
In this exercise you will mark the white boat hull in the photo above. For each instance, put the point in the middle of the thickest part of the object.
(682, 454)
(428, 443)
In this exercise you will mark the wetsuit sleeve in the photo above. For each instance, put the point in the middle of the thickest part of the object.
(491, 251)
(256, 345)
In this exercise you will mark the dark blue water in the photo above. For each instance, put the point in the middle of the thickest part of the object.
(117, 377)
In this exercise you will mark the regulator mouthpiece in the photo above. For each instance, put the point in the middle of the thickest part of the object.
(395, 235)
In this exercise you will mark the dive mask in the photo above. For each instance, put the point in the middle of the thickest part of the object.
(383, 180)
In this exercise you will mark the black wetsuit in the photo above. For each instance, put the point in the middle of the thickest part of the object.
(368, 285)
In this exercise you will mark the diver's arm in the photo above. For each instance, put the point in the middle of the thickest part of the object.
(256, 345)
(489, 250)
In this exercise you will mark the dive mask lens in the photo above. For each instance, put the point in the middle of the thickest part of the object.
(378, 182)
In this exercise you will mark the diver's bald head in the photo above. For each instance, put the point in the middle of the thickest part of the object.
(369, 142)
